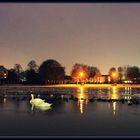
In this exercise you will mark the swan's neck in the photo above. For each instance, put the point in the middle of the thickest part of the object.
(32, 96)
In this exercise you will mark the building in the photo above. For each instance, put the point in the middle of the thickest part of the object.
(101, 79)
(3, 72)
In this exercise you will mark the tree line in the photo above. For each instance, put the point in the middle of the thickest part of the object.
(122, 74)
(52, 72)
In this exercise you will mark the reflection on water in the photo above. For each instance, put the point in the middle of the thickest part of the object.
(104, 93)
(127, 90)
(84, 95)
(108, 93)
(99, 118)
(114, 108)
(114, 93)
(127, 93)
(82, 98)
(4, 100)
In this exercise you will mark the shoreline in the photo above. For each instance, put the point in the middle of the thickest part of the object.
(97, 85)
(73, 85)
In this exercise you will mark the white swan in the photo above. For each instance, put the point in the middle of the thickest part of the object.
(41, 104)
(36, 101)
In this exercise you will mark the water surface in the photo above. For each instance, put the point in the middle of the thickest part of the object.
(72, 114)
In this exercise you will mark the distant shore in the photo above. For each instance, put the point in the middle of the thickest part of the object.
(73, 85)
(97, 85)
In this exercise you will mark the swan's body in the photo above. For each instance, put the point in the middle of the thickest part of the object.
(44, 104)
(39, 102)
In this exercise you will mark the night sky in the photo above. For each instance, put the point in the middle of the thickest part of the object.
(102, 35)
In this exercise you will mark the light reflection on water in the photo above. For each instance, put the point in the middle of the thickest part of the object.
(114, 108)
(113, 92)
(82, 96)
(4, 100)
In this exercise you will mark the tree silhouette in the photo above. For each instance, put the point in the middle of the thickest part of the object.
(12, 76)
(133, 73)
(32, 66)
(51, 70)
(32, 77)
(122, 73)
(18, 69)
(92, 71)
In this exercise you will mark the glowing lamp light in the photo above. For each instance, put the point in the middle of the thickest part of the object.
(81, 74)
(114, 74)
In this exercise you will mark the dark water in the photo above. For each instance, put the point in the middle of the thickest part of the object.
(69, 117)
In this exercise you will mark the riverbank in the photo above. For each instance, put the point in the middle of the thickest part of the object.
(72, 85)
(97, 85)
